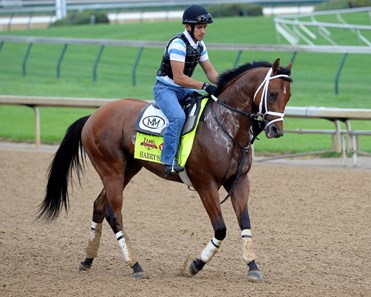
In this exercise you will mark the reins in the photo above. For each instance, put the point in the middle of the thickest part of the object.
(248, 114)
(257, 125)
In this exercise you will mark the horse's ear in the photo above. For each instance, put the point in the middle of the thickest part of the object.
(289, 67)
(275, 66)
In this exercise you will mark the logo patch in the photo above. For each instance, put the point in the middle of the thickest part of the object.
(154, 122)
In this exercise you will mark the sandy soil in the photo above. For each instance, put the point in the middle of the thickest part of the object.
(311, 228)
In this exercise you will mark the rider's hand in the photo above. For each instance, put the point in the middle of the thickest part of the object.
(211, 89)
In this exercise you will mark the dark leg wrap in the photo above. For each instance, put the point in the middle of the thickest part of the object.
(196, 266)
(137, 268)
(254, 273)
(138, 272)
(86, 264)
(253, 266)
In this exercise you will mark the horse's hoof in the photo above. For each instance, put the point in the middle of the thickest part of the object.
(138, 275)
(192, 268)
(196, 266)
(138, 272)
(84, 267)
(255, 276)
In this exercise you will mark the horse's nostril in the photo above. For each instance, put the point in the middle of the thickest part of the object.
(275, 131)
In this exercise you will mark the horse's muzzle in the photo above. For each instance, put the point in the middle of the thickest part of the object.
(273, 130)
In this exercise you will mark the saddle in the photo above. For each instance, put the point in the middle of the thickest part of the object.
(152, 120)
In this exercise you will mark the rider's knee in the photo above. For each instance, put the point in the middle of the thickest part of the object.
(182, 117)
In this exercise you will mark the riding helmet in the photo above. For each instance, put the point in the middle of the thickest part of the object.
(195, 14)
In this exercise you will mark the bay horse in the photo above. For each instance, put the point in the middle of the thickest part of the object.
(221, 156)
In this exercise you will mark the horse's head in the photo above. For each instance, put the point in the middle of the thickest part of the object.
(271, 97)
(258, 88)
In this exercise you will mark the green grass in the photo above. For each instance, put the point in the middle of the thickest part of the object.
(313, 74)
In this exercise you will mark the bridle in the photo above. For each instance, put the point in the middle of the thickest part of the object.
(263, 105)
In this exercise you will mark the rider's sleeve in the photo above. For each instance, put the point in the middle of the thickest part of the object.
(177, 50)
(204, 55)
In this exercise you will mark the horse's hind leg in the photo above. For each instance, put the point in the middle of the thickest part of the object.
(115, 176)
(125, 245)
(103, 210)
(95, 231)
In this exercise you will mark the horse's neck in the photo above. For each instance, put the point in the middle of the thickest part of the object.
(233, 123)
(239, 93)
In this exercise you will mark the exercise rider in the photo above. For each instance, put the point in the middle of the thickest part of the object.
(174, 80)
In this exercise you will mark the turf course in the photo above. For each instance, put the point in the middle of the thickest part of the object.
(313, 75)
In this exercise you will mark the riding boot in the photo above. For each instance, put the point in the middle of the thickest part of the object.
(172, 169)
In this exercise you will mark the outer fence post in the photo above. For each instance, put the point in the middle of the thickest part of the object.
(117, 15)
(338, 73)
(25, 58)
(29, 25)
(237, 58)
(338, 144)
(97, 62)
(139, 54)
(60, 60)
(293, 57)
(51, 20)
(10, 22)
(37, 126)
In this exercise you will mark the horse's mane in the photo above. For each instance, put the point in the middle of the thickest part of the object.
(229, 75)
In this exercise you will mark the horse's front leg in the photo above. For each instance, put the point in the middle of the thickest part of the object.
(210, 200)
(95, 231)
(239, 200)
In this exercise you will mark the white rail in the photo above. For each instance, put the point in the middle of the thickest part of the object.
(297, 29)
(337, 115)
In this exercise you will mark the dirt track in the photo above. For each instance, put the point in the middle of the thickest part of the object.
(311, 228)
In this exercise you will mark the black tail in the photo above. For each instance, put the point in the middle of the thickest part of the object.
(65, 160)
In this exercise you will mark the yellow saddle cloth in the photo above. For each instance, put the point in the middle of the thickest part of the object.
(148, 147)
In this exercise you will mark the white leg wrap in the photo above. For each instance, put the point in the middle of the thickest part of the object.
(94, 240)
(248, 254)
(127, 251)
(210, 250)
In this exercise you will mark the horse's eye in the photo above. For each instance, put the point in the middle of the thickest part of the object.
(272, 96)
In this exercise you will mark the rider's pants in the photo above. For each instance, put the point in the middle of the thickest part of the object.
(168, 98)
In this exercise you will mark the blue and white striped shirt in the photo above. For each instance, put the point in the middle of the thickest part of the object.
(177, 50)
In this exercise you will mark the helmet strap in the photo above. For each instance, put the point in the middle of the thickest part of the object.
(192, 31)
